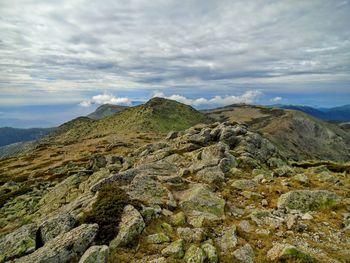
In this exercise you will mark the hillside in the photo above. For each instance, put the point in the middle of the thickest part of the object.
(157, 115)
(105, 110)
(297, 134)
(13, 135)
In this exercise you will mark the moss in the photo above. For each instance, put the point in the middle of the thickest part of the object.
(293, 253)
(107, 212)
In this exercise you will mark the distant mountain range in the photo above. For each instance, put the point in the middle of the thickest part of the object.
(13, 135)
(336, 114)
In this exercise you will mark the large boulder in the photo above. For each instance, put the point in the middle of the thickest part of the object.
(194, 254)
(130, 227)
(65, 247)
(210, 175)
(95, 254)
(174, 250)
(306, 200)
(18, 243)
(55, 226)
(210, 252)
(284, 252)
(148, 190)
(199, 198)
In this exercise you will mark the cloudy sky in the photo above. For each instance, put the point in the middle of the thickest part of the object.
(201, 52)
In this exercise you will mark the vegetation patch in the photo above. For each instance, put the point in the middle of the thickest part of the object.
(107, 212)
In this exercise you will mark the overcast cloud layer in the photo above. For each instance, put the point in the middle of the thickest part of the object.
(74, 50)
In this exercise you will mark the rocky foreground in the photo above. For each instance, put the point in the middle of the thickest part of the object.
(212, 193)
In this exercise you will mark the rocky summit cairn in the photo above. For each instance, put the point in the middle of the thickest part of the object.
(212, 193)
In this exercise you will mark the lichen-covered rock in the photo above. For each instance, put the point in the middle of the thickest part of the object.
(131, 226)
(200, 198)
(306, 200)
(264, 217)
(178, 219)
(158, 238)
(174, 250)
(210, 252)
(194, 254)
(245, 254)
(95, 254)
(243, 184)
(283, 171)
(18, 243)
(55, 226)
(65, 247)
(227, 238)
(210, 175)
(289, 252)
(191, 234)
(151, 192)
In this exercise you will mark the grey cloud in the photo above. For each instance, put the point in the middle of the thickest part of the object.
(162, 44)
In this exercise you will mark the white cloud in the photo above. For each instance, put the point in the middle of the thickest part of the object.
(276, 99)
(248, 97)
(105, 98)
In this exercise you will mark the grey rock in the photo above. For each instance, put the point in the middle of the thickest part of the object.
(194, 255)
(245, 254)
(95, 254)
(174, 250)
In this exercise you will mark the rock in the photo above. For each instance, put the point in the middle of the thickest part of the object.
(210, 252)
(65, 247)
(178, 219)
(158, 238)
(174, 250)
(227, 238)
(210, 175)
(130, 227)
(227, 163)
(158, 260)
(191, 235)
(97, 162)
(264, 217)
(326, 176)
(307, 216)
(151, 192)
(243, 184)
(200, 198)
(245, 254)
(283, 171)
(306, 200)
(245, 226)
(150, 212)
(302, 178)
(95, 254)
(172, 135)
(55, 226)
(291, 220)
(251, 195)
(18, 243)
(194, 255)
(283, 252)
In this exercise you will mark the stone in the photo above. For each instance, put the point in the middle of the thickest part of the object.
(283, 171)
(306, 200)
(302, 178)
(18, 243)
(283, 252)
(178, 219)
(174, 250)
(150, 212)
(291, 220)
(264, 217)
(158, 260)
(243, 184)
(97, 162)
(210, 252)
(151, 192)
(210, 175)
(200, 198)
(130, 227)
(191, 235)
(172, 135)
(245, 254)
(194, 254)
(158, 238)
(65, 247)
(227, 238)
(95, 254)
(251, 195)
(307, 216)
(245, 226)
(326, 176)
(55, 226)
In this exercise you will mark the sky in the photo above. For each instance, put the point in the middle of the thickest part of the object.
(73, 55)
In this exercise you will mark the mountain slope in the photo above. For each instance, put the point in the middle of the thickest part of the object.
(13, 135)
(157, 115)
(297, 134)
(105, 110)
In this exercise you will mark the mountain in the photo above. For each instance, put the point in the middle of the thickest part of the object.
(336, 114)
(297, 134)
(105, 110)
(13, 135)
(24, 124)
(157, 115)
